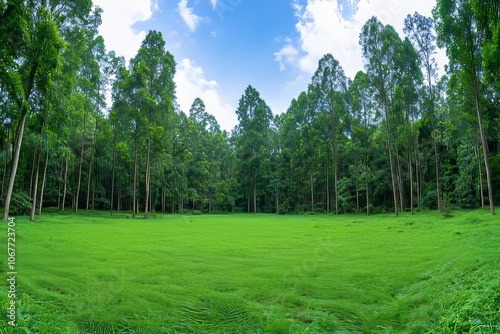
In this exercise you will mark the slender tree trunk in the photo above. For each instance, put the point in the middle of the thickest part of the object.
(147, 179)
(357, 179)
(417, 166)
(113, 179)
(35, 186)
(366, 187)
(393, 172)
(15, 161)
(61, 171)
(91, 165)
(44, 179)
(135, 179)
(484, 143)
(312, 192)
(400, 181)
(478, 155)
(328, 182)
(5, 164)
(436, 157)
(410, 167)
(81, 161)
(33, 168)
(65, 181)
(254, 192)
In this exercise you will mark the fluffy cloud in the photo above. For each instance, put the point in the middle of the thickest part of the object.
(288, 54)
(190, 18)
(322, 29)
(118, 17)
(192, 83)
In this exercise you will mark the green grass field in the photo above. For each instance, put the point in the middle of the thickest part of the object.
(92, 273)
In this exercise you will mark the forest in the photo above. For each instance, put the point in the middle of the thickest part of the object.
(395, 138)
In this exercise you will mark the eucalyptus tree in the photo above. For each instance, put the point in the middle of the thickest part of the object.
(381, 46)
(458, 30)
(363, 116)
(155, 69)
(330, 85)
(420, 30)
(30, 54)
(252, 136)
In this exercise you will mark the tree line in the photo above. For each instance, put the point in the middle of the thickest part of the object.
(394, 138)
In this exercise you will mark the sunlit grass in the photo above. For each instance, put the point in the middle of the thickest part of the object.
(92, 273)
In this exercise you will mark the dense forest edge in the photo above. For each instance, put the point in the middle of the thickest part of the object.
(395, 138)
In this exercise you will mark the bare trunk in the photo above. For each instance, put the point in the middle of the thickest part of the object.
(312, 192)
(328, 183)
(393, 173)
(35, 186)
(146, 204)
(15, 161)
(43, 183)
(254, 192)
(65, 181)
(357, 180)
(366, 187)
(436, 157)
(59, 184)
(81, 161)
(484, 143)
(478, 155)
(91, 165)
(410, 167)
(135, 179)
(33, 168)
(5, 164)
(112, 181)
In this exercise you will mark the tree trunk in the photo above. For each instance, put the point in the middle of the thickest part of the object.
(5, 164)
(478, 155)
(436, 157)
(357, 179)
(135, 179)
(35, 186)
(410, 167)
(91, 165)
(393, 172)
(81, 161)
(15, 161)
(147, 179)
(112, 180)
(254, 192)
(65, 181)
(43, 183)
(366, 187)
(328, 182)
(484, 143)
(312, 192)
(33, 168)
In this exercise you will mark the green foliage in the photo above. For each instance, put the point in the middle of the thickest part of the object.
(20, 204)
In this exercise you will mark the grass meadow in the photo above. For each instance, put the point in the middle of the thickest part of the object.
(95, 273)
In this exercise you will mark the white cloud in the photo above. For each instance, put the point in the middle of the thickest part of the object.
(288, 54)
(190, 18)
(192, 83)
(118, 18)
(322, 30)
(214, 3)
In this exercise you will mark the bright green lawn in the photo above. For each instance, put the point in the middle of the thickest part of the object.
(92, 273)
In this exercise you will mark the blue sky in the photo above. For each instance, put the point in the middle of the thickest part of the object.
(222, 46)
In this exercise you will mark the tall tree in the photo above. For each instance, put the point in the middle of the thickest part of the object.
(29, 60)
(458, 30)
(330, 84)
(253, 141)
